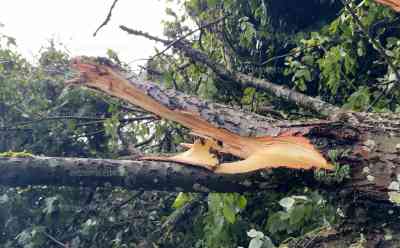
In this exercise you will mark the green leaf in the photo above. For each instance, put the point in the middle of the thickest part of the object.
(359, 99)
(268, 243)
(256, 243)
(181, 200)
(242, 202)
(287, 203)
(212, 3)
(349, 64)
(229, 214)
(214, 202)
(297, 215)
(275, 223)
(308, 59)
(334, 26)
(394, 197)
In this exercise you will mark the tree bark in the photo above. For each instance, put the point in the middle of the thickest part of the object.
(371, 150)
(128, 174)
(368, 143)
(307, 102)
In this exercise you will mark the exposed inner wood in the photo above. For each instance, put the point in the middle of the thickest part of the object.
(257, 152)
(198, 154)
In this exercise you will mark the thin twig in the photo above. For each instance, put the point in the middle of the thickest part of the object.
(175, 218)
(15, 129)
(52, 118)
(120, 205)
(285, 55)
(123, 106)
(92, 133)
(140, 118)
(144, 34)
(55, 240)
(378, 98)
(95, 120)
(379, 48)
(150, 70)
(188, 34)
(108, 18)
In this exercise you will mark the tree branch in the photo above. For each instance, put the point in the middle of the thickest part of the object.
(55, 240)
(368, 143)
(108, 18)
(133, 175)
(283, 92)
(188, 34)
(375, 43)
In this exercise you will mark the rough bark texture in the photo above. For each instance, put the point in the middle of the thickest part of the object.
(128, 174)
(283, 92)
(378, 155)
(368, 143)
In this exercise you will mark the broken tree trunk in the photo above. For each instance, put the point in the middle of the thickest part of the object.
(257, 152)
(367, 143)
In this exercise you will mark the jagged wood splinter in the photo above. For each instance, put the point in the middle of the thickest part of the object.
(258, 152)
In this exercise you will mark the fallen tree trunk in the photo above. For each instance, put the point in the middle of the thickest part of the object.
(372, 152)
(367, 143)
(128, 174)
(147, 175)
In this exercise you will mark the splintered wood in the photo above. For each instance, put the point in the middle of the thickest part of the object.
(254, 153)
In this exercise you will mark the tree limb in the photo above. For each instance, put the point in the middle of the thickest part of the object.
(375, 43)
(133, 175)
(283, 92)
(368, 143)
(188, 34)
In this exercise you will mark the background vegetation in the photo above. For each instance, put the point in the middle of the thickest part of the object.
(317, 47)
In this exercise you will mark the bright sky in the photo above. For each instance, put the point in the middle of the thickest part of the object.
(73, 22)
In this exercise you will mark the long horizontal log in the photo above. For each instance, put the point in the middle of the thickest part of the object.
(375, 176)
(133, 175)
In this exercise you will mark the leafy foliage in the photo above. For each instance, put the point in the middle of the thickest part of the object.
(39, 115)
(301, 214)
(325, 55)
(223, 211)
